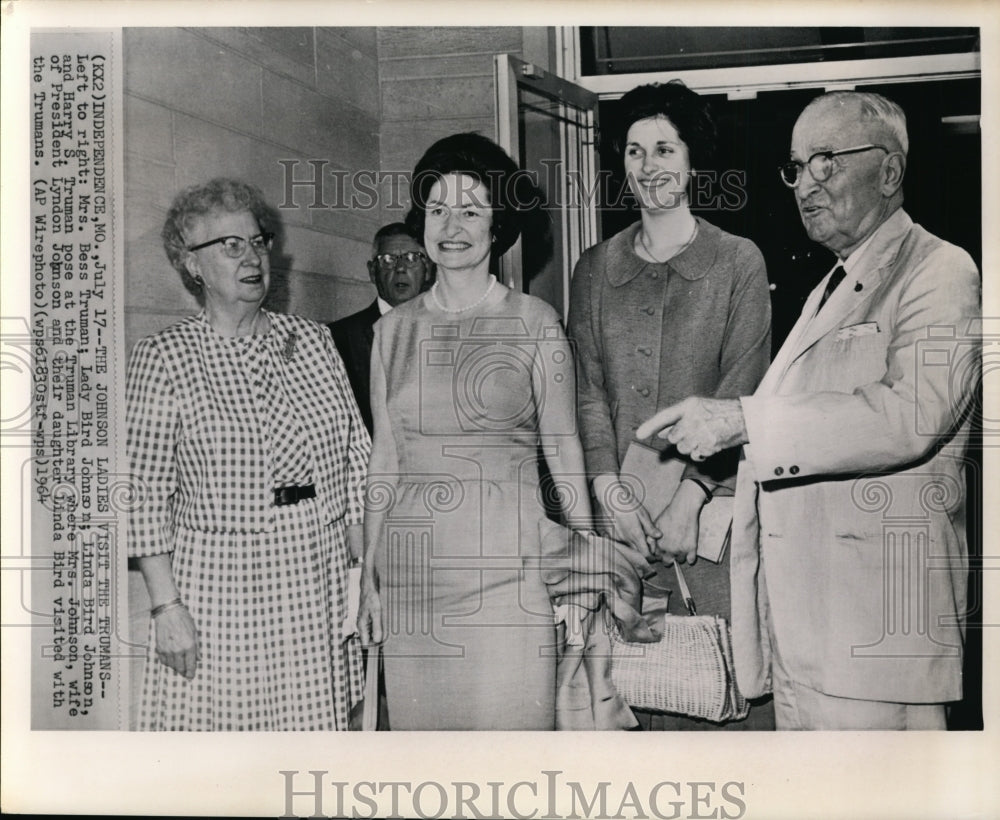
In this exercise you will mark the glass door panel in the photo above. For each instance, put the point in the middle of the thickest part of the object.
(548, 125)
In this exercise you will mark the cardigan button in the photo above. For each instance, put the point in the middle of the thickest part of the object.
(645, 351)
(654, 274)
(644, 392)
(649, 311)
(779, 470)
(794, 470)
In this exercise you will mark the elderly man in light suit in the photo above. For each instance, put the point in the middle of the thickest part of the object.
(849, 565)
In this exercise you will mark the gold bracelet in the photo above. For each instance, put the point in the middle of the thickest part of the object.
(156, 611)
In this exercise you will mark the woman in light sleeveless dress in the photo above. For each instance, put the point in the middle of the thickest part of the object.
(469, 380)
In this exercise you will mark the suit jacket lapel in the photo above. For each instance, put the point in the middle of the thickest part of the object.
(785, 355)
(844, 301)
(876, 265)
(372, 315)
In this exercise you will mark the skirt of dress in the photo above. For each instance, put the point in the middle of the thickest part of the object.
(471, 641)
(269, 608)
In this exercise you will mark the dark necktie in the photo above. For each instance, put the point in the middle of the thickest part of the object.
(835, 279)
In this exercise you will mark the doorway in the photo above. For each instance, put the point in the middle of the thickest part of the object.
(549, 126)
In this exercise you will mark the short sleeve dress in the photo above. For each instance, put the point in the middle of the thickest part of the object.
(471, 641)
(214, 425)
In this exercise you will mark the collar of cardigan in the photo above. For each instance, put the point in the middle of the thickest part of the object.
(694, 262)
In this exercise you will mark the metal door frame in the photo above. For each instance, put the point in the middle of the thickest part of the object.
(578, 149)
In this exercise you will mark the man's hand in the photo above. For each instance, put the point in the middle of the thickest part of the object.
(698, 427)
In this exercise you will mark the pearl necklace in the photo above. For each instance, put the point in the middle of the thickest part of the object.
(678, 252)
(477, 303)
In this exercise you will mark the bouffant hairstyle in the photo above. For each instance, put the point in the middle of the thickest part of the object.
(198, 201)
(514, 197)
(688, 111)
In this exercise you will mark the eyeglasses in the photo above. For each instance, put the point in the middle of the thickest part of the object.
(235, 246)
(820, 164)
(388, 261)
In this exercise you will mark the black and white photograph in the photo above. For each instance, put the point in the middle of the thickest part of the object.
(622, 371)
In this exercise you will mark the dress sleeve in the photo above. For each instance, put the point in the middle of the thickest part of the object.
(744, 358)
(152, 423)
(593, 407)
(359, 443)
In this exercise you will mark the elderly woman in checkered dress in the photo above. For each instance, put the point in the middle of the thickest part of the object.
(248, 453)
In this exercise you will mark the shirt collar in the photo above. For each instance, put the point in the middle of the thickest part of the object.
(854, 257)
(861, 251)
(383, 306)
(694, 262)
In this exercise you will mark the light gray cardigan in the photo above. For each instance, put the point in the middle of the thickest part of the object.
(648, 335)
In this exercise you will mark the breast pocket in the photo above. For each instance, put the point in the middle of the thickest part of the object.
(853, 361)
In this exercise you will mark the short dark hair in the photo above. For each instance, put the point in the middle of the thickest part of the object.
(196, 201)
(514, 197)
(395, 229)
(688, 111)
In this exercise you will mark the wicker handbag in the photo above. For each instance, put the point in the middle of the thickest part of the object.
(688, 672)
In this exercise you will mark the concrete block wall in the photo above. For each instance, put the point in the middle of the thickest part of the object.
(236, 101)
(203, 102)
(434, 82)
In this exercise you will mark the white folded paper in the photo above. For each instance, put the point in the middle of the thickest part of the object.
(350, 625)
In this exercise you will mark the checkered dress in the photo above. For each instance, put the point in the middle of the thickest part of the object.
(214, 425)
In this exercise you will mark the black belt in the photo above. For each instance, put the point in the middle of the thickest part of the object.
(283, 496)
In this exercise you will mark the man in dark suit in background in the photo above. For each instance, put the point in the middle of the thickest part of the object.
(400, 270)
